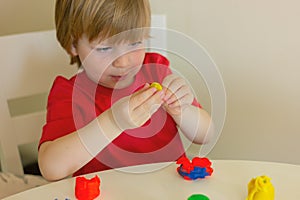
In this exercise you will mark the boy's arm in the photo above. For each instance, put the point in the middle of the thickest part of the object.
(193, 121)
(64, 156)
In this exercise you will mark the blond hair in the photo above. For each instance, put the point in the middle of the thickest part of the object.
(97, 19)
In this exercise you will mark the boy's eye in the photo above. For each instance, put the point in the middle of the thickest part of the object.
(104, 49)
(136, 43)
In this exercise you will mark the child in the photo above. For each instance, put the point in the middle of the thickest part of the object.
(107, 116)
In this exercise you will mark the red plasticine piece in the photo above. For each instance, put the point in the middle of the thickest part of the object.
(186, 164)
(87, 189)
(197, 168)
(201, 162)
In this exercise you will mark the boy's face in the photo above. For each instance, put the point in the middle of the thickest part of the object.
(112, 66)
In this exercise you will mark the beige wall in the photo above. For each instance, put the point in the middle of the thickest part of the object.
(17, 16)
(256, 46)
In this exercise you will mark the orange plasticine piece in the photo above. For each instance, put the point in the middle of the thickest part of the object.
(87, 189)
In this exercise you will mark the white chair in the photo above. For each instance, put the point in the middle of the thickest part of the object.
(29, 63)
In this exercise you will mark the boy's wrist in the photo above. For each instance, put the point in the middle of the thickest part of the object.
(178, 117)
(109, 125)
(99, 133)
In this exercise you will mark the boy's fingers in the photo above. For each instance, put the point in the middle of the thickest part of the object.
(180, 93)
(168, 80)
(172, 83)
(141, 96)
(150, 105)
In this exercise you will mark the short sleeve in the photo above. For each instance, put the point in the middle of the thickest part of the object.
(59, 120)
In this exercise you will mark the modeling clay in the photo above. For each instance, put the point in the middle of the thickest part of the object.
(156, 85)
(87, 189)
(260, 188)
(198, 168)
(198, 197)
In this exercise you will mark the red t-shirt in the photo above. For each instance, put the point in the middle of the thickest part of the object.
(74, 103)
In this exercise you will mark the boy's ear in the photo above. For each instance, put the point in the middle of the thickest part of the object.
(74, 50)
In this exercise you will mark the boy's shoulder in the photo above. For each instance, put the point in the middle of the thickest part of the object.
(152, 57)
(155, 67)
(61, 87)
(61, 82)
(64, 87)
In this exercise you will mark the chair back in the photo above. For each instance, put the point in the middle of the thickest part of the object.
(29, 62)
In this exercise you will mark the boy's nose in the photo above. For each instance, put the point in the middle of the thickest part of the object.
(122, 61)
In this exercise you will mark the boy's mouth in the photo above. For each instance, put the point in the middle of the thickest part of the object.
(119, 78)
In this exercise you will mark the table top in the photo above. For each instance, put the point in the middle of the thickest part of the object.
(161, 181)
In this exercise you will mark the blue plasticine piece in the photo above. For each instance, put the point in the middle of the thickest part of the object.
(197, 172)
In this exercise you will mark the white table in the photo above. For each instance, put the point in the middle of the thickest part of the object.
(228, 182)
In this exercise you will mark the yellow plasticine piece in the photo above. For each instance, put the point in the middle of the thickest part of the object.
(156, 85)
(260, 188)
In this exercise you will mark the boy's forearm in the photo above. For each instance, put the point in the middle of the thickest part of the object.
(195, 123)
(61, 157)
(99, 133)
(64, 156)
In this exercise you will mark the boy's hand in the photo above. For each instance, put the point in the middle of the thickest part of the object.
(177, 94)
(134, 110)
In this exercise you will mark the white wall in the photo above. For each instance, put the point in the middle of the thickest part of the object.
(256, 46)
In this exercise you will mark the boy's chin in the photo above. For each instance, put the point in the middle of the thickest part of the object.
(118, 85)
(121, 84)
